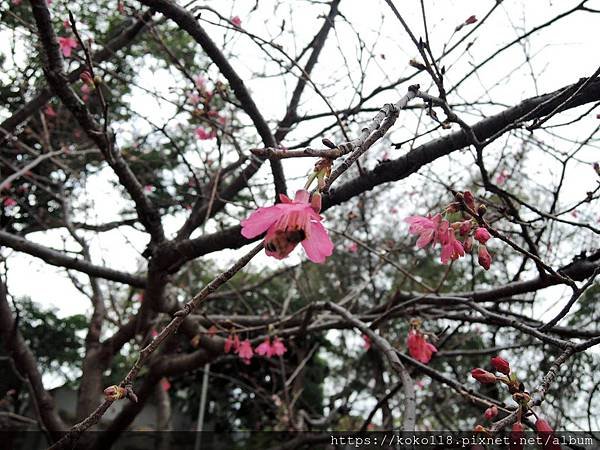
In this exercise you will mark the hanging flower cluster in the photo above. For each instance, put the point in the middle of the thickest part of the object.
(417, 342)
(521, 397)
(455, 230)
(244, 348)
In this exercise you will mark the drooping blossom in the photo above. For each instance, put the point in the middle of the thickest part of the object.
(482, 235)
(419, 348)
(204, 135)
(67, 44)
(516, 435)
(425, 227)
(245, 351)
(366, 341)
(545, 431)
(452, 249)
(265, 349)
(232, 342)
(501, 365)
(484, 257)
(289, 223)
(9, 202)
(236, 21)
(200, 82)
(483, 376)
(49, 111)
(491, 412)
(278, 347)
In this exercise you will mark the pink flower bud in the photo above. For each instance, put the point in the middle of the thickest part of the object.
(482, 235)
(471, 20)
(516, 435)
(483, 376)
(491, 412)
(501, 365)
(485, 259)
(545, 431)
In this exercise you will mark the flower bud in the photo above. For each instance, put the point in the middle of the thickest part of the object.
(114, 392)
(86, 77)
(481, 209)
(501, 365)
(470, 20)
(516, 435)
(491, 412)
(483, 376)
(482, 235)
(485, 259)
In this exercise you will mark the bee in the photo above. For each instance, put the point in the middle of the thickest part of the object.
(284, 241)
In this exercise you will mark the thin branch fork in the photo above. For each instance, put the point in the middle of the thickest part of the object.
(147, 351)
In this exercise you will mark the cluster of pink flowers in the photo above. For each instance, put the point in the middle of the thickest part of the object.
(244, 348)
(290, 223)
(439, 230)
(268, 349)
(417, 343)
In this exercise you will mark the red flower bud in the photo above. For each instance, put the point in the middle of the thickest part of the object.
(501, 365)
(516, 435)
(114, 393)
(545, 431)
(491, 412)
(483, 376)
(471, 20)
(485, 259)
(482, 235)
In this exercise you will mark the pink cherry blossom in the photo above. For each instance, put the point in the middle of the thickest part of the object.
(278, 347)
(49, 111)
(482, 235)
(245, 352)
(9, 202)
(289, 223)
(236, 21)
(265, 348)
(148, 189)
(232, 342)
(502, 177)
(485, 259)
(419, 348)
(67, 44)
(366, 342)
(204, 135)
(352, 247)
(194, 99)
(200, 82)
(452, 249)
(425, 227)
(16, 2)
(491, 412)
